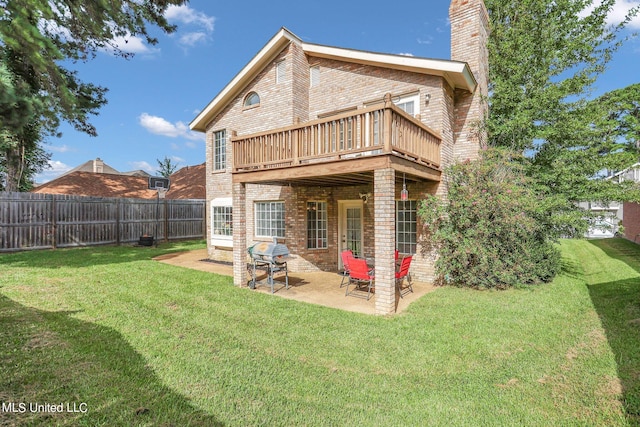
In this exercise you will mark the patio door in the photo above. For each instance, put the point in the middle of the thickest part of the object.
(350, 227)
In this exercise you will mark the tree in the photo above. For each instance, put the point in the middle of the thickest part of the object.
(166, 167)
(492, 231)
(544, 59)
(39, 39)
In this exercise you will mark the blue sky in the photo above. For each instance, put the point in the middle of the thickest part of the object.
(154, 96)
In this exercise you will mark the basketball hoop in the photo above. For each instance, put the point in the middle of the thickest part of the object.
(162, 192)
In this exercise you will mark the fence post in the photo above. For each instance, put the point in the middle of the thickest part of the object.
(166, 220)
(54, 222)
(118, 240)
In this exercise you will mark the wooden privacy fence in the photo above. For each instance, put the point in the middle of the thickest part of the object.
(42, 221)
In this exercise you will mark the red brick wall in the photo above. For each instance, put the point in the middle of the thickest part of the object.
(631, 221)
(469, 37)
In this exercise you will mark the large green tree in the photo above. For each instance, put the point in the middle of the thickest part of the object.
(40, 40)
(545, 57)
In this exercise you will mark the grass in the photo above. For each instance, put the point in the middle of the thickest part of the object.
(144, 343)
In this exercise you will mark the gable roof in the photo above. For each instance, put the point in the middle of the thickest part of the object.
(457, 73)
(186, 183)
(81, 183)
(189, 183)
(91, 165)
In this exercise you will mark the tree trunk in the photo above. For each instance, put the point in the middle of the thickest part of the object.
(14, 169)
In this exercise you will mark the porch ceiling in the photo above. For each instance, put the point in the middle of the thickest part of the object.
(340, 172)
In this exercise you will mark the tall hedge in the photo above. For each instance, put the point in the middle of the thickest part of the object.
(492, 231)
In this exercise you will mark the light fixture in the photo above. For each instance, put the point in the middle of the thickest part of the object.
(427, 97)
(404, 194)
(365, 197)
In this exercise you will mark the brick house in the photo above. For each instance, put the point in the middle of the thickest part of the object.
(104, 181)
(314, 145)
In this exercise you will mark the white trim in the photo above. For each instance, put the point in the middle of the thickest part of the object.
(222, 201)
(220, 240)
(457, 73)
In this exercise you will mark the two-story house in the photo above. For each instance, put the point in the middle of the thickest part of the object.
(329, 148)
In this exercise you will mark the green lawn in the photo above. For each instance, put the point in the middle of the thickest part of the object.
(144, 343)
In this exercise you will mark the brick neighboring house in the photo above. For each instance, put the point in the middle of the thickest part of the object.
(628, 212)
(314, 144)
(104, 181)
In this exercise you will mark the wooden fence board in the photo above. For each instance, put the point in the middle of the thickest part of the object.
(42, 221)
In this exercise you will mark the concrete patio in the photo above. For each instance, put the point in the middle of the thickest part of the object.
(322, 288)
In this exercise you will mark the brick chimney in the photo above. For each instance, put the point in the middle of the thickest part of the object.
(469, 37)
(98, 165)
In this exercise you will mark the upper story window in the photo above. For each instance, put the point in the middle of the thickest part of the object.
(280, 71)
(314, 75)
(219, 150)
(410, 104)
(252, 100)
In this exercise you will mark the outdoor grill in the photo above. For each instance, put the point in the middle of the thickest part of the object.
(270, 257)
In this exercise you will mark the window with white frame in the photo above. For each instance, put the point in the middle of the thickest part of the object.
(316, 225)
(410, 104)
(406, 226)
(269, 219)
(314, 75)
(252, 100)
(219, 150)
(280, 71)
(222, 222)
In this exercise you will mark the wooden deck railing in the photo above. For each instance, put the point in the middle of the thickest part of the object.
(379, 129)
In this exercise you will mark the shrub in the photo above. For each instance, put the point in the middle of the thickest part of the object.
(492, 231)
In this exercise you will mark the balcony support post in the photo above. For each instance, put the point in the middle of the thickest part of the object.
(385, 239)
(239, 234)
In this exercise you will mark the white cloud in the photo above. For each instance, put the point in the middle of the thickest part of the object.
(191, 39)
(55, 169)
(133, 44)
(428, 40)
(618, 13)
(199, 25)
(60, 149)
(159, 126)
(142, 165)
(187, 15)
(406, 54)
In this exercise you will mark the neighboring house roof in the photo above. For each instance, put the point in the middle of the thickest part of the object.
(96, 166)
(458, 74)
(99, 166)
(138, 172)
(188, 183)
(99, 185)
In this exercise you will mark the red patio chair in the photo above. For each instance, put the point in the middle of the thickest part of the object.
(361, 277)
(346, 256)
(401, 274)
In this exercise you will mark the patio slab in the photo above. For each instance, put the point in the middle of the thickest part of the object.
(322, 288)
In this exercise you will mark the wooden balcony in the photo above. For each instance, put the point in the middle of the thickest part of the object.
(341, 149)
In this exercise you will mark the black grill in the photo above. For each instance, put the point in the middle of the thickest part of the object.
(270, 257)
